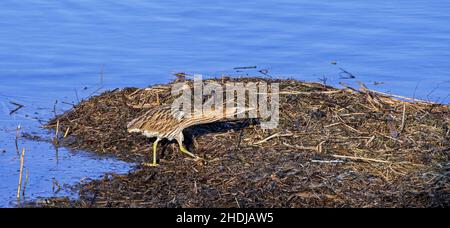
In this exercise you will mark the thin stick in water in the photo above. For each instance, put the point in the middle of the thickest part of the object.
(17, 138)
(54, 107)
(245, 67)
(56, 133)
(25, 183)
(18, 107)
(76, 95)
(21, 173)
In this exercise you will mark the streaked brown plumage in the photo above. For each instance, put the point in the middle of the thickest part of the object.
(162, 124)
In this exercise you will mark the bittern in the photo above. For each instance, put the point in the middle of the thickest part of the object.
(161, 123)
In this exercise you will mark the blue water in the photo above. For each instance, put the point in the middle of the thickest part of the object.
(48, 169)
(52, 50)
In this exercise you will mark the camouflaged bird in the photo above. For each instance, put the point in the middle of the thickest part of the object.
(162, 123)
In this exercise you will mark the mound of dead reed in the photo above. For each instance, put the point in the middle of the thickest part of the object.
(333, 148)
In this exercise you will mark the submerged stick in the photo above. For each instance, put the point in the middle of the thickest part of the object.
(17, 138)
(25, 183)
(21, 173)
(67, 103)
(245, 67)
(76, 95)
(54, 107)
(56, 133)
(55, 184)
(18, 107)
(16, 104)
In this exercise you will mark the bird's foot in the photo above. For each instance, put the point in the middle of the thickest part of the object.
(150, 164)
(193, 156)
(197, 158)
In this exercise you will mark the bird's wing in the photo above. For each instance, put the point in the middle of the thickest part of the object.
(210, 116)
(152, 120)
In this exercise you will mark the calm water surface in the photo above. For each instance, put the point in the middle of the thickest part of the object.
(56, 50)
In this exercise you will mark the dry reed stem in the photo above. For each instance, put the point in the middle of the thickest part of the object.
(350, 124)
(403, 119)
(361, 159)
(278, 134)
(67, 132)
(22, 158)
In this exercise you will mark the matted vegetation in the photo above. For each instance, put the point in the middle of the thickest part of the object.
(333, 148)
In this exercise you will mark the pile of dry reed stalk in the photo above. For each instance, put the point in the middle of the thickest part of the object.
(333, 148)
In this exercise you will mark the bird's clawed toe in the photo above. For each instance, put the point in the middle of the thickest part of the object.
(150, 164)
(197, 158)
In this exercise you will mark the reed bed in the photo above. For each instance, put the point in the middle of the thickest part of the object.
(333, 148)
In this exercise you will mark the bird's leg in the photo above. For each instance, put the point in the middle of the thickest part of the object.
(154, 164)
(183, 149)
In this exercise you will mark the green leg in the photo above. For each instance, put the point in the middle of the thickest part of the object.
(184, 150)
(155, 145)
